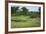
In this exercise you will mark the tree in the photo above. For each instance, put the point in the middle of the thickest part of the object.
(25, 10)
(14, 10)
(39, 11)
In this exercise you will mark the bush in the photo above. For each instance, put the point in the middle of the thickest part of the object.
(33, 15)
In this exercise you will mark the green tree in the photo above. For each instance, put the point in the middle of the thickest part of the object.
(14, 10)
(24, 10)
(39, 11)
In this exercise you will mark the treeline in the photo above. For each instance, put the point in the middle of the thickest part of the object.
(15, 11)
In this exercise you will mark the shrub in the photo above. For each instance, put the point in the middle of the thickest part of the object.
(33, 15)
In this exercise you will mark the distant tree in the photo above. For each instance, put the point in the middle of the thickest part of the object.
(39, 11)
(14, 10)
(24, 10)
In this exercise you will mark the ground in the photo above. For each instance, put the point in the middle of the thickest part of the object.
(25, 21)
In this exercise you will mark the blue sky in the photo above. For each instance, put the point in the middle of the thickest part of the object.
(33, 8)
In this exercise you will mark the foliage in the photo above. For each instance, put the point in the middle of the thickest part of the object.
(24, 11)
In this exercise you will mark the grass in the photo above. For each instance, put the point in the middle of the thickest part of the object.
(30, 22)
(19, 17)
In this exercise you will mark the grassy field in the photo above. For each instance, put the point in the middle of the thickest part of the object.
(25, 22)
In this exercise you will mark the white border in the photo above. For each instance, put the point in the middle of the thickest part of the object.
(23, 29)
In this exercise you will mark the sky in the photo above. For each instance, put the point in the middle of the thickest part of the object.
(33, 8)
(30, 8)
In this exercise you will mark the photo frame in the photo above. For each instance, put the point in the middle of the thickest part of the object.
(18, 29)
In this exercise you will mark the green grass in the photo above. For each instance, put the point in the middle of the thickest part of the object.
(30, 22)
(19, 17)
